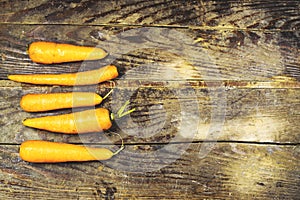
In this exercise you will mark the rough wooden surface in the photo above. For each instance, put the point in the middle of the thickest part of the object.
(204, 54)
(239, 171)
(258, 14)
(197, 72)
(252, 115)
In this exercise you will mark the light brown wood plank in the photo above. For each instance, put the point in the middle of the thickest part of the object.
(170, 109)
(200, 54)
(229, 171)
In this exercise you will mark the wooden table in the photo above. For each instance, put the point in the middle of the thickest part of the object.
(215, 85)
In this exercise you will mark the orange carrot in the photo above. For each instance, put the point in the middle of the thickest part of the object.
(53, 101)
(93, 120)
(51, 52)
(53, 152)
(80, 78)
(96, 120)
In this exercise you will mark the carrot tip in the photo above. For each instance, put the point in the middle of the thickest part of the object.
(107, 94)
(10, 77)
(14, 78)
(24, 121)
(122, 145)
(27, 122)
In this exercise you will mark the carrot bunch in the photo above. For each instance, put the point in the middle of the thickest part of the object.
(90, 120)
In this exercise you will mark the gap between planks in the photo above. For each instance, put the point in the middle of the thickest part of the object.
(186, 142)
(125, 25)
(227, 84)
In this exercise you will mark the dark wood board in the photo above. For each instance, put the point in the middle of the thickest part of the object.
(201, 54)
(255, 14)
(170, 109)
(229, 171)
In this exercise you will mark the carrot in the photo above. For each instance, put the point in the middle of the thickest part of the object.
(80, 78)
(51, 52)
(53, 152)
(53, 101)
(93, 120)
(96, 120)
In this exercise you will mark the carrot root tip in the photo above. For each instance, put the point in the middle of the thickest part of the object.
(26, 122)
(122, 145)
(108, 94)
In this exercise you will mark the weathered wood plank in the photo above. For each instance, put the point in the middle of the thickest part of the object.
(169, 109)
(255, 14)
(229, 171)
(200, 54)
(233, 60)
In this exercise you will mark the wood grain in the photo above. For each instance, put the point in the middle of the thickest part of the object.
(201, 55)
(188, 67)
(169, 109)
(256, 14)
(236, 171)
